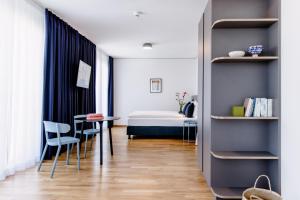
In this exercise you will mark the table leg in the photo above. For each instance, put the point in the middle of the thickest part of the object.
(101, 142)
(188, 133)
(80, 137)
(183, 133)
(110, 141)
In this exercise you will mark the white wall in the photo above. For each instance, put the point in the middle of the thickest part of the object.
(290, 130)
(132, 84)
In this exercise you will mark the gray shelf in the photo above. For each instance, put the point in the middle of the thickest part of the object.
(244, 59)
(244, 23)
(228, 192)
(242, 118)
(244, 155)
(249, 145)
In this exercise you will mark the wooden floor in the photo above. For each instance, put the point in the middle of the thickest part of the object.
(141, 169)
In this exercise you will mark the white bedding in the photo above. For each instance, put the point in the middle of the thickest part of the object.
(156, 114)
(157, 118)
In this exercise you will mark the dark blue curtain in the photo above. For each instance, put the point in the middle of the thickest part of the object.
(64, 48)
(110, 89)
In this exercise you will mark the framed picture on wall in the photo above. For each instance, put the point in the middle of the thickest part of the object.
(155, 85)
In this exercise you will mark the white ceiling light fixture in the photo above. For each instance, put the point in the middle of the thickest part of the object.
(147, 46)
(137, 13)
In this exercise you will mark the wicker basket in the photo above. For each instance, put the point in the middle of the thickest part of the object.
(260, 193)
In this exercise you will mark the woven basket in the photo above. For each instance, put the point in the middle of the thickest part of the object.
(260, 193)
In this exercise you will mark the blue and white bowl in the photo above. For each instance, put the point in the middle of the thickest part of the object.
(255, 50)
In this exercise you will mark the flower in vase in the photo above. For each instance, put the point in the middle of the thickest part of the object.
(180, 98)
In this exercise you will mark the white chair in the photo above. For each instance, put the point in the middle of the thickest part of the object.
(58, 128)
(86, 132)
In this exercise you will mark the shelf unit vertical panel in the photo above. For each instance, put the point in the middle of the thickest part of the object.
(200, 91)
(207, 93)
(275, 88)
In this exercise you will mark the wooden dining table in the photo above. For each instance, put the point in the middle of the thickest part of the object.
(100, 121)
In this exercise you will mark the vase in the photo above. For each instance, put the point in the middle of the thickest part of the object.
(180, 109)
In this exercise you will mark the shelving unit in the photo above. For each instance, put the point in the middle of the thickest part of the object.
(244, 59)
(228, 193)
(243, 155)
(243, 118)
(244, 23)
(244, 146)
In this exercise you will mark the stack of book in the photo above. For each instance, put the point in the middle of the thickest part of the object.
(258, 107)
(94, 116)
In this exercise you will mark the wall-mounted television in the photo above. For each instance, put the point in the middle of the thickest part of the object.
(84, 75)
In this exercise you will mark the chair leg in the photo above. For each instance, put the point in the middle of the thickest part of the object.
(85, 144)
(68, 154)
(92, 142)
(42, 158)
(55, 161)
(78, 156)
(73, 143)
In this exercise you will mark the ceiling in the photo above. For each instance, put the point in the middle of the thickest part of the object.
(171, 25)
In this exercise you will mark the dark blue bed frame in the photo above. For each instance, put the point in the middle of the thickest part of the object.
(159, 131)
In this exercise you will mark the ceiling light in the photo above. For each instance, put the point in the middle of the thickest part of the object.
(147, 46)
(137, 13)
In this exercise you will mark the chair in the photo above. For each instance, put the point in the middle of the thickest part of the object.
(58, 128)
(87, 132)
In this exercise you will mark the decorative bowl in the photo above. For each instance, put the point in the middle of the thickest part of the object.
(236, 54)
(255, 50)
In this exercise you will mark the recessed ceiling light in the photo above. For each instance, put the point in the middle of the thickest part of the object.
(147, 46)
(137, 13)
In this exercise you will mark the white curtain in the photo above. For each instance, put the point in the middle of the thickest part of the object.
(104, 76)
(101, 82)
(21, 84)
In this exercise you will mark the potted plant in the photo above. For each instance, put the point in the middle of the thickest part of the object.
(180, 99)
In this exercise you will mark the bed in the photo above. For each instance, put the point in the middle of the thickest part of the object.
(156, 123)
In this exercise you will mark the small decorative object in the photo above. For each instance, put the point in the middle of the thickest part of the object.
(238, 111)
(255, 50)
(180, 98)
(155, 85)
(236, 54)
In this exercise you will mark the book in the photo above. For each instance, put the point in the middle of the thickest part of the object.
(257, 106)
(94, 116)
(246, 102)
(270, 107)
(249, 106)
(253, 107)
(263, 107)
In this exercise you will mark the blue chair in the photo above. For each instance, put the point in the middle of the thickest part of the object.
(58, 128)
(86, 132)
